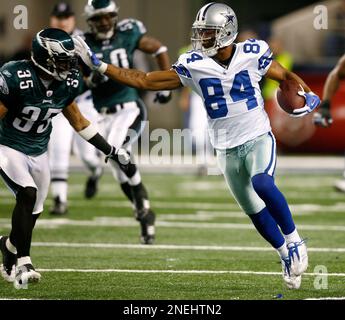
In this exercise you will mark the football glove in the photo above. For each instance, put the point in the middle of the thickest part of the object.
(312, 101)
(163, 96)
(120, 156)
(323, 117)
(88, 57)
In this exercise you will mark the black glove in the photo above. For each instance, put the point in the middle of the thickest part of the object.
(120, 156)
(123, 159)
(163, 96)
(323, 117)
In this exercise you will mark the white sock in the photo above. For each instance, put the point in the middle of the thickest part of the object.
(59, 189)
(292, 237)
(10, 246)
(283, 251)
(135, 180)
(24, 260)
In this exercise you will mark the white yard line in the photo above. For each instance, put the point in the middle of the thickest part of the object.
(326, 298)
(130, 222)
(183, 272)
(170, 247)
(212, 206)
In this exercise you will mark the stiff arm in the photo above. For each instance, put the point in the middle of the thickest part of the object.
(154, 81)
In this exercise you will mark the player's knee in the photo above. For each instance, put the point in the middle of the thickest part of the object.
(27, 196)
(263, 183)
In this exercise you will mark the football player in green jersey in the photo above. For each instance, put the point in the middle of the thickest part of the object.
(121, 111)
(31, 94)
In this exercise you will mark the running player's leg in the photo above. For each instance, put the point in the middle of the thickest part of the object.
(19, 177)
(261, 165)
(60, 145)
(126, 127)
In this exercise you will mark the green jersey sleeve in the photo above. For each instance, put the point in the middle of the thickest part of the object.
(8, 84)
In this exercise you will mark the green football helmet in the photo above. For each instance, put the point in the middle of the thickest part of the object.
(53, 52)
(102, 17)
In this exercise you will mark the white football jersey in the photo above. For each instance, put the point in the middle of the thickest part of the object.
(231, 95)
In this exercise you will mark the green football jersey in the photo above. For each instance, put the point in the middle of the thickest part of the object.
(31, 106)
(118, 51)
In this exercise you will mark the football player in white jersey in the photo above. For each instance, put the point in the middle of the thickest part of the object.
(63, 137)
(226, 75)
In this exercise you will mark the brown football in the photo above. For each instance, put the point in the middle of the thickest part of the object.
(288, 97)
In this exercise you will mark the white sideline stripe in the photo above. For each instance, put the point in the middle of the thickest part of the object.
(184, 272)
(169, 247)
(3, 299)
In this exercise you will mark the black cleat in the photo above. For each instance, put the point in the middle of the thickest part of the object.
(147, 218)
(59, 208)
(91, 187)
(9, 261)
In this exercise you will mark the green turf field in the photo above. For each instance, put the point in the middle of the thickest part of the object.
(206, 248)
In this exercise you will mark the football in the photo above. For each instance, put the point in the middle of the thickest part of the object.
(288, 97)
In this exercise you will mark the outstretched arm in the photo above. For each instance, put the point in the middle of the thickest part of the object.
(155, 81)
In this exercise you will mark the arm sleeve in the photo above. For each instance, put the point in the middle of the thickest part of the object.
(182, 71)
(7, 84)
(265, 57)
(76, 91)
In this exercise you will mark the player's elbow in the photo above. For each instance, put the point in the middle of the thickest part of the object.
(288, 75)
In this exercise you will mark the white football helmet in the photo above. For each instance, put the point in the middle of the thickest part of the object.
(215, 27)
(94, 10)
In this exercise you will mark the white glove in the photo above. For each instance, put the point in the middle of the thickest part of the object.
(89, 57)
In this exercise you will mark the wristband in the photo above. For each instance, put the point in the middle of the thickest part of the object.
(89, 132)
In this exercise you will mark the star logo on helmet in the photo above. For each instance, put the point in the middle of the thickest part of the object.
(229, 18)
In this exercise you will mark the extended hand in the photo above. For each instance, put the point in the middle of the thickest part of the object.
(89, 57)
(312, 101)
(323, 117)
(120, 156)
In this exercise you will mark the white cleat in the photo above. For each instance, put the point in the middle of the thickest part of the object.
(25, 274)
(291, 281)
(340, 185)
(298, 256)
